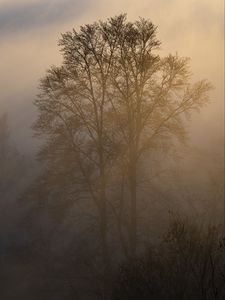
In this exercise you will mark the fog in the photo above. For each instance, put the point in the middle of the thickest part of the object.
(49, 216)
(29, 46)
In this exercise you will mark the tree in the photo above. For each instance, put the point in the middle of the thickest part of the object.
(73, 113)
(149, 98)
(4, 136)
(5, 154)
(188, 263)
(112, 102)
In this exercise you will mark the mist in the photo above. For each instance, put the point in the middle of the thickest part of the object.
(153, 197)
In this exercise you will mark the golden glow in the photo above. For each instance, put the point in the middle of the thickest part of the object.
(192, 28)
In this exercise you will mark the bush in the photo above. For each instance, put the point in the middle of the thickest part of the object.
(187, 264)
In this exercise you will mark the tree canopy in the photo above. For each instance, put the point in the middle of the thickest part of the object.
(111, 103)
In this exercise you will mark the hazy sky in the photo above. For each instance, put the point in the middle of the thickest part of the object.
(30, 29)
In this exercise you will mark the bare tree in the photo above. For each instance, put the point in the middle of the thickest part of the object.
(187, 264)
(112, 102)
(4, 136)
(74, 110)
(149, 99)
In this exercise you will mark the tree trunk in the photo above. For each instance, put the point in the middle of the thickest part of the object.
(133, 207)
(104, 235)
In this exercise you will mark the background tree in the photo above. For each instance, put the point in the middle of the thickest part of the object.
(16, 173)
(9, 158)
(186, 264)
(4, 135)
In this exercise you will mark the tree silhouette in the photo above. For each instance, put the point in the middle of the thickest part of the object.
(149, 98)
(111, 103)
(4, 136)
(186, 264)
